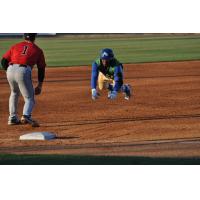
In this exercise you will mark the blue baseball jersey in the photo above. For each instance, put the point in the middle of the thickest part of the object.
(114, 71)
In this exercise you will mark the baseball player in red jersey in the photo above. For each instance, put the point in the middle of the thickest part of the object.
(18, 62)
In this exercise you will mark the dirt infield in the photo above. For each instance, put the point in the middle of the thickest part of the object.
(163, 118)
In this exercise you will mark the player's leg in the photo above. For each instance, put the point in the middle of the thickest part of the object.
(101, 81)
(110, 86)
(14, 95)
(26, 87)
(127, 90)
(104, 82)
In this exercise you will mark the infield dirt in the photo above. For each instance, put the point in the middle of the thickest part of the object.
(162, 118)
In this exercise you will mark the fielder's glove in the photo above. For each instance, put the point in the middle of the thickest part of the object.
(95, 94)
(112, 95)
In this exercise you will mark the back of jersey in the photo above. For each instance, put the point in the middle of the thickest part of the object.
(24, 53)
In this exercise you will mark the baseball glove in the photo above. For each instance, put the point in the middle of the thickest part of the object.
(38, 90)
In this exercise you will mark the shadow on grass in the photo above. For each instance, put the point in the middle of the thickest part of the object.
(12, 159)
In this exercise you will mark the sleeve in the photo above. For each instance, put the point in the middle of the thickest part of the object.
(41, 60)
(94, 76)
(118, 78)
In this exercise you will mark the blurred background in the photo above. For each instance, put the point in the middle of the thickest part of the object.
(72, 49)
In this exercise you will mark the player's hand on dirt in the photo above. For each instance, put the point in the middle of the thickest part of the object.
(112, 95)
(38, 89)
(95, 94)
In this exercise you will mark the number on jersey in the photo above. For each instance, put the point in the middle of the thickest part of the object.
(24, 52)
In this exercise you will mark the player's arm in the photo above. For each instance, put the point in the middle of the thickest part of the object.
(41, 65)
(6, 59)
(118, 78)
(94, 77)
(4, 63)
(41, 75)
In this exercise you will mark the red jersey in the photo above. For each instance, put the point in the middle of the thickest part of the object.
(26, 53)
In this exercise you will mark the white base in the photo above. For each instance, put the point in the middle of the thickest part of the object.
(37, 136)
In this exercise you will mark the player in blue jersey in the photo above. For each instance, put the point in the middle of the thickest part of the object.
(107, 72)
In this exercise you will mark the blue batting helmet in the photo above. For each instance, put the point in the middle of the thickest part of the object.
(107, 54)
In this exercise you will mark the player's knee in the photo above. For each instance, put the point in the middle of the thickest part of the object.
(101, 87)
(29, 100)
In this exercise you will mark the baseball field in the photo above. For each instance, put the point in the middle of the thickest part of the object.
(159, 125)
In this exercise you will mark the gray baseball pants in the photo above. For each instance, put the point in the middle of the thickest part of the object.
(20, 81)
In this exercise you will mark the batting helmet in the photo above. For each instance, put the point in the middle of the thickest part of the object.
(30, 36)
(106, 54)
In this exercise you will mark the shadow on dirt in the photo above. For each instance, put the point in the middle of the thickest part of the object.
(67, 138)
(118, 120)
(11, 159)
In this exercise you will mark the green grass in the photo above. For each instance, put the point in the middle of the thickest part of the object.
(11, 159)
(64, 51)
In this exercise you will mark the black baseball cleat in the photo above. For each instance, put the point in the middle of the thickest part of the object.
(14, 121)
(28, 120)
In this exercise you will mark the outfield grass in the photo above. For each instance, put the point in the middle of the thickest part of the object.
(64, 51)
(11, 159)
